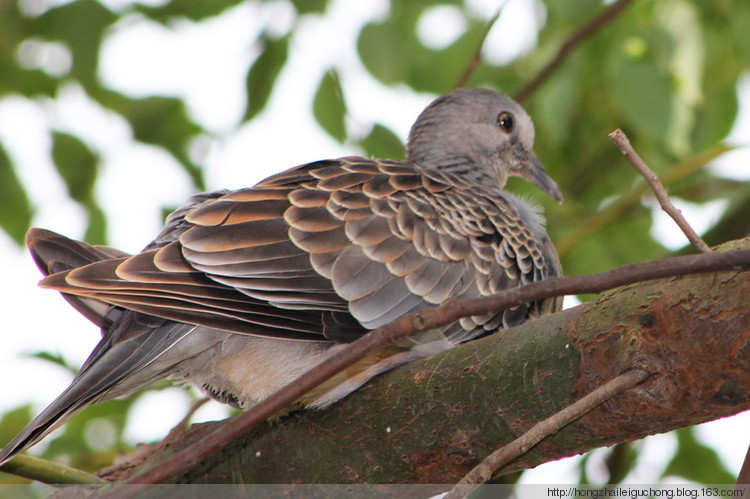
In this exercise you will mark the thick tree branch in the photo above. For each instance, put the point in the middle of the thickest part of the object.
(619, 138)
(654, 336)
(585, 32)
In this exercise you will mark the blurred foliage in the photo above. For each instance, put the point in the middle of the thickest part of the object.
(263, 74)
(696, 461)
(78, 166)
(329, 107)
(666, 72)
(15, 209)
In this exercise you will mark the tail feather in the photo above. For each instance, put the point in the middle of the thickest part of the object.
(131, 342)
(112, 370)
(55, 253)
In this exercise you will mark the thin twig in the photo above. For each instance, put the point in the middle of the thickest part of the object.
(619, 138)
(421, 321)
(474, 62)
(609, 14)
(484, 470)
(624, 203)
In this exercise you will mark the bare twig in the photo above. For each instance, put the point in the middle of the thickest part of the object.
(609, 14)
(628, 200)
(421, 321)
(474, 62)
(484, 470)
(619, 138)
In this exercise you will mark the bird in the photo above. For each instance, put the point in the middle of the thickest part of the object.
(244, 290)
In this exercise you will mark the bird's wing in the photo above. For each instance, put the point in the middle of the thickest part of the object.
(327, 250)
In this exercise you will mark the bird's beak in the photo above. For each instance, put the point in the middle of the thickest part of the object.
(532, 170)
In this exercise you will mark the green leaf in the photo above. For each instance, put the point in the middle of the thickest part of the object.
(96, 232)
(73, 442)
(716, 117)
(263, 74)
(15, 28)
(54, 359)
(621, 461)
(384, 49)
(194, 10)
(160, 121)
(382, 143)
(329, 107)
(77, 166)
(392, 53)
(310, 6)
(614, 245)
(558, 99)
(734, 224)
(642, 89)
(81, 26)
(697, 462)
(572, 11)
(13, 422)
(15, 209)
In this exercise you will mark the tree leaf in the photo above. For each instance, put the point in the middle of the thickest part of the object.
(96, 232)
(56, 359)
(614, 245)
(697, 462)
(716, 117)
(194, 10)
(13, 422)
(263, 74)
(161, 121)
(16, 29)
(329, 107)
(392, 53)
(77, 165)
(81, 26)
(73, 440)
(733, 224)
(310, 6)
(382, 143)
(642, 89)
(15, 209)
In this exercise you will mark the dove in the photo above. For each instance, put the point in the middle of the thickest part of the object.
(245, 290)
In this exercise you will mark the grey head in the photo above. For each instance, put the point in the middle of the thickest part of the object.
(481, 135)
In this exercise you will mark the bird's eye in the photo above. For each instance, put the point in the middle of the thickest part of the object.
(506, 122)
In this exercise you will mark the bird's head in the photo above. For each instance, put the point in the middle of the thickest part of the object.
(482, 133)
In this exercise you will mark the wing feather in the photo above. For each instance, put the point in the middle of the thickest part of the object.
(326, 250)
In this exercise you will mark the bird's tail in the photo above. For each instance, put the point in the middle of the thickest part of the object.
(55, 253)
(113, 369)
(135, 349)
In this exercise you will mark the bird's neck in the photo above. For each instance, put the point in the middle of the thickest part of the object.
(461, 168)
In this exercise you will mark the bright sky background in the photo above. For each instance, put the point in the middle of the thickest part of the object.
(205, 64)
